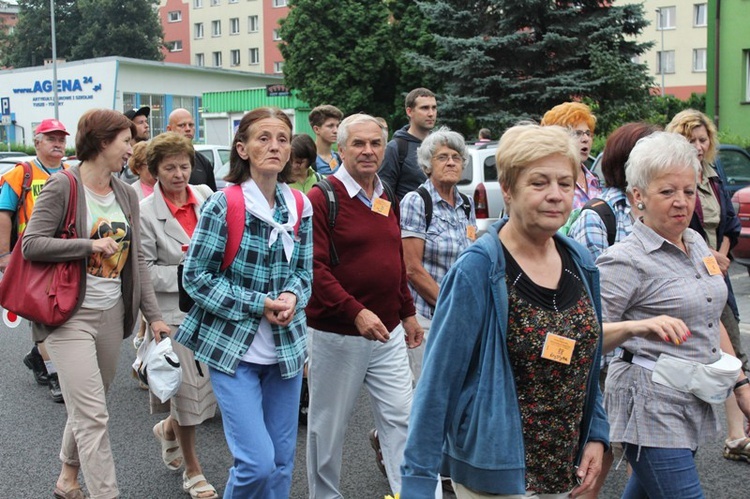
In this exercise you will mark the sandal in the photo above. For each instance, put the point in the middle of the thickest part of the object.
(170, 449)
(75, 493)
(190, 485)
(739, 451)
(375, 444)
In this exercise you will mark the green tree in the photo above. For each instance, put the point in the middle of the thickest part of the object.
(410, 28)
(84, 29)
(506, 60)
(340, 52)
(30, 44)
(114, 27)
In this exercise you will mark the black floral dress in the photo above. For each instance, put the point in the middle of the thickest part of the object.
(551, 394)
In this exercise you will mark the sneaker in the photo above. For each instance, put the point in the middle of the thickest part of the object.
(738, 450)
(54, 388)
(375, 444)
(35, 362)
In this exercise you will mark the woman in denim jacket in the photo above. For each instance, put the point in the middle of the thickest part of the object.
(508, 402)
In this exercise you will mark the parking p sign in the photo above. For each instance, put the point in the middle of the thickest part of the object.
(5, 106)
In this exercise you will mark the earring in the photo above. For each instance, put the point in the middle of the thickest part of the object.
(640, 206)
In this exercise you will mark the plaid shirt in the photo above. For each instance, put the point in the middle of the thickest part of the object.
(581, 197)
(444, 240)
(229, 304)
(589, 229)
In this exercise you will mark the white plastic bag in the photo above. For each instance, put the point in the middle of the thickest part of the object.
(160, 369)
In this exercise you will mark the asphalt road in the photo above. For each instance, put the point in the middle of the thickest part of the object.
(31, 427)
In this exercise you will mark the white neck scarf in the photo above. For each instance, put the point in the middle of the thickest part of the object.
(257, 205)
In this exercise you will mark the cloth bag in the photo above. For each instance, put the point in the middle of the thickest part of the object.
(712, 383)
(159, 368)
(44, 292)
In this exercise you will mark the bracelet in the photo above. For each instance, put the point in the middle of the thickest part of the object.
(742, 383)
(3, 255)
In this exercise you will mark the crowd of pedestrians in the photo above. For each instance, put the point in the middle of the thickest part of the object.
(595, 320)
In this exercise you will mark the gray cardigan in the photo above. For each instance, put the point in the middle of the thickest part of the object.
(40, 244)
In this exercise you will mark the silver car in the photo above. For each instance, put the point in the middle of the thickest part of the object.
(479, 181)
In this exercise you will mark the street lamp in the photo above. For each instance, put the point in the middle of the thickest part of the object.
(660, 27)
(54, 56)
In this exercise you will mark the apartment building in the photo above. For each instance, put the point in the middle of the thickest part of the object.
(677, 60)
(8, 14)
(231, 34)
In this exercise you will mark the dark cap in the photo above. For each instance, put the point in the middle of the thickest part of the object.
(144, 111)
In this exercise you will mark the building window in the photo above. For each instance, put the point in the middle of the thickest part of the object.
(700, 14)
(217, 59)
(198, 30)
(215, 3)
(665, 17)
(276, 35)
(665, 60)
(278, 67)
(156, 118)
(215, 28)
(252, 24)
(234, 26)
(232, 1)
(175, 16)
(175, 46)
(197, 4)
(699, 60)
(279, 3)
(200, 60)
(254, 57)
(235, 55)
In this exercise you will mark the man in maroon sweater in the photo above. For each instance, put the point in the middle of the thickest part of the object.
(361, 316)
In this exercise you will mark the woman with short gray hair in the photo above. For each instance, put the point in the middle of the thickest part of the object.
(437, 224)
(662, 297)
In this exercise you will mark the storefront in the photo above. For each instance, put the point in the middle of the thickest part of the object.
(118, 83)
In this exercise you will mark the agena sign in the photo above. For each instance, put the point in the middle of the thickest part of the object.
(63, 85)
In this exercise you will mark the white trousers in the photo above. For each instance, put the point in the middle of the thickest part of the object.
(339, 366)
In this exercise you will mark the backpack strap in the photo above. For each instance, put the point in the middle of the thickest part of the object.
(466, 205)
(329, 192)
(403, 150)
(299, 202)
(235, 223)
(427, 205)
(25, 185)
(604, 210)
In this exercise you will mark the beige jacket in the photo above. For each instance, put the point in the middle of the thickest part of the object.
(40, 244)
(163, 237)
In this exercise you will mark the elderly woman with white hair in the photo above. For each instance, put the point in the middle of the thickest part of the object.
(437, 224)
(508, 403)
(662, 297)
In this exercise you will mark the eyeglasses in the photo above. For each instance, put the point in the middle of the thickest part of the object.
(443, 158)
(581, 133)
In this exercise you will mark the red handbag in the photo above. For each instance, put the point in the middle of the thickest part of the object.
(44, 292)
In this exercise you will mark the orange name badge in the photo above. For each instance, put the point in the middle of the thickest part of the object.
(471, 232)
(333, 164)
(558, 348)
(381, 206)
(712, 265)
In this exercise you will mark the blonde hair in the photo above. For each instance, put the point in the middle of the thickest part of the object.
(522, 145)
(688, 120)
(570, 114)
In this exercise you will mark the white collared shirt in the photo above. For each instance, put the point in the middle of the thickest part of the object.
(353, 189)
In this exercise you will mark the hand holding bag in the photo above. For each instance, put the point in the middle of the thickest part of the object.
(160, 369)
(44, 292)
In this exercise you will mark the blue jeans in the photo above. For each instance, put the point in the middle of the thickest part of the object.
(259, 410)
(662, 474)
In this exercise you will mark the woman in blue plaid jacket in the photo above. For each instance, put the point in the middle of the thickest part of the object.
(248, 323)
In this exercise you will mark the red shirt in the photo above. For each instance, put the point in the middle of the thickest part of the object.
(184, 214)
